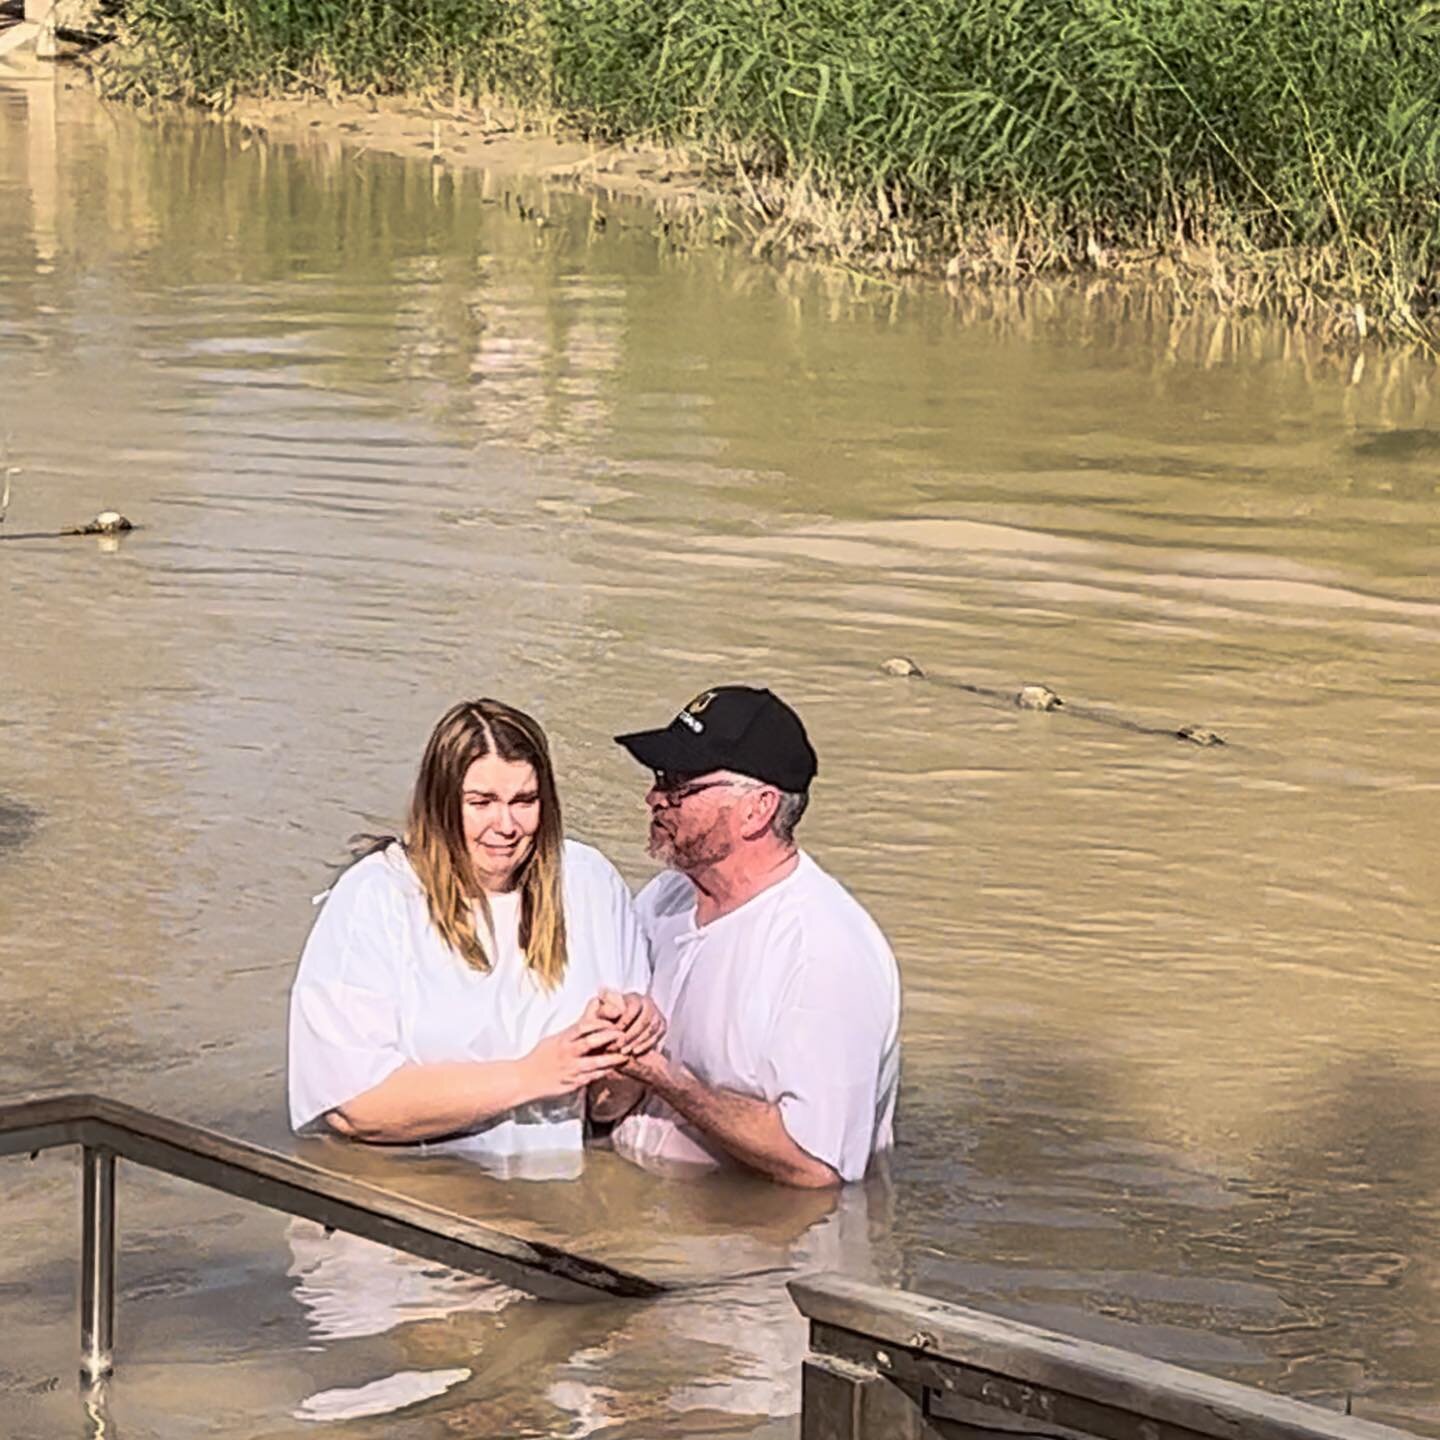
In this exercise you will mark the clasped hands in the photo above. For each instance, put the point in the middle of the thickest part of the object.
(617, 1034)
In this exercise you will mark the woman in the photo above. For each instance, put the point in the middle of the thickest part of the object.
(467, 984)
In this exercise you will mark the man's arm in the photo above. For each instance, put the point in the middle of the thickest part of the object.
(751, 1130)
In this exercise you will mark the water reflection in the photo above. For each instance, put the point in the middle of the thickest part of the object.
(351, 1287)
(734, 1342)
(1170, 1013)
(722, 1353)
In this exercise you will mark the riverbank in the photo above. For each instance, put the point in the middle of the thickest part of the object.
(1274, 160)
(492, 136)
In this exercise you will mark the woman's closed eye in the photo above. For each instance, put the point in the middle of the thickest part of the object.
(480, 799)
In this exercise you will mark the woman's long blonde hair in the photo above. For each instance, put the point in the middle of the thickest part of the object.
(435, 837)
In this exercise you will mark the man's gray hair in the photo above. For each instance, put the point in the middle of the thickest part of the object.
(787, 814)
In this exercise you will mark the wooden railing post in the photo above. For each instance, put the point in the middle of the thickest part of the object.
(841, 1401)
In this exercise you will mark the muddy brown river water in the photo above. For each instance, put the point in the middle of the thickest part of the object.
(1172, 1037)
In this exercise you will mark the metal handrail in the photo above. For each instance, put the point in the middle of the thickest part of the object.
(109, 1129)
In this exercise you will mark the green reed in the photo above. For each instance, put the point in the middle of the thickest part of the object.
(212, 51)
(1300, 137)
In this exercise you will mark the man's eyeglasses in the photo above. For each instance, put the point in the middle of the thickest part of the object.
(676, 789)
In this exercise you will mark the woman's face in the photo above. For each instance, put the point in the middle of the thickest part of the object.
(500, 805)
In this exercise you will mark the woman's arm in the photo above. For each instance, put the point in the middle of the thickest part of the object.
(423, 1102)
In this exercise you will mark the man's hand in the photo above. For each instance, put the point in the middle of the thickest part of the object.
(637, 1017)
(640, 1027)
(650, 1069)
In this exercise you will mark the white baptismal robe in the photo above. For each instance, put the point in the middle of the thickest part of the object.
(793, 998)
(378, 988)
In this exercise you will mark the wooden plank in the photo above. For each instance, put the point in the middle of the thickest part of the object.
(297, 1187)
(975, 1402)
(951, 1338)
(840, 1401)
(829, 1403)
(957, 1419)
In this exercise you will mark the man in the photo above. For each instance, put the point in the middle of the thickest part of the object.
(782, 997)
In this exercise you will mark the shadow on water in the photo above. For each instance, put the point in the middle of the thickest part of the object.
(1343, 1222)
(1399, 445)
(17, 824)
(1303, 1268)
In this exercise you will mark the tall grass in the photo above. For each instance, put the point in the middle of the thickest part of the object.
(1298, 139)
(213, 51)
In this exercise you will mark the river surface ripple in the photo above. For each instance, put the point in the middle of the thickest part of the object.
(1171, 1058)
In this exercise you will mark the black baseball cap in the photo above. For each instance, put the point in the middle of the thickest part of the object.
(734, 727)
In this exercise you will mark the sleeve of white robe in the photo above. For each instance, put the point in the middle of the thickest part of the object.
(832, 1027)
(345, 1003)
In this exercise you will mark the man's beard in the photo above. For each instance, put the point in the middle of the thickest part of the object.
(688, 853)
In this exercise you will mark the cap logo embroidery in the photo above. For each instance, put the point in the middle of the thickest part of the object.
(696, 707)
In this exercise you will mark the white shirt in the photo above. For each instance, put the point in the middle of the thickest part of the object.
(793, 998)
(378, 988)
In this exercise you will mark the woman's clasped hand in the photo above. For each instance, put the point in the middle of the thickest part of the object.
(613, 1029)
